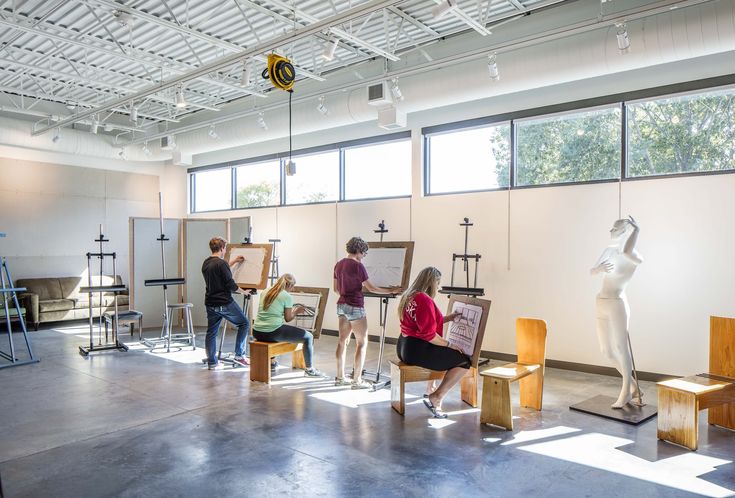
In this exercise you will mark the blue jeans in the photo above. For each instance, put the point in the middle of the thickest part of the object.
(233, 314)
(288, 333)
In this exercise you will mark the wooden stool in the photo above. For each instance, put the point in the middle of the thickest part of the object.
(262, 352)
(529, 370)
(679, 400)
(401, 373)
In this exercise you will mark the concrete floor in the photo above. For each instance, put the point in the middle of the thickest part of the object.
(139, 424)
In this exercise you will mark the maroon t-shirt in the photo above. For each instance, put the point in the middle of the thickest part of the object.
(350, 274)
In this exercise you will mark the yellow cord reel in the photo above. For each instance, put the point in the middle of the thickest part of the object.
(280, 71)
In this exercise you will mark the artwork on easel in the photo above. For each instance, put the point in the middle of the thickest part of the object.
(468, 329)
(314, 299)
(389, 263)
(253, 272)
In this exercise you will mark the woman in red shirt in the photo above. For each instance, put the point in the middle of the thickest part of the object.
(421, 342)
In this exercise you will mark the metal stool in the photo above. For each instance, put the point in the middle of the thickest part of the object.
(189, 336)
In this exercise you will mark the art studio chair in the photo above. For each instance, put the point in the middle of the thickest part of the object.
(401, 374)
(528, 371)
(262, 352)
(679, 400)
(188, 335)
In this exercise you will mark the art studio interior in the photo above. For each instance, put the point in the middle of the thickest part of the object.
(501, 231)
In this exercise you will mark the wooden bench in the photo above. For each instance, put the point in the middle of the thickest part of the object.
(680, 400)
(262, 352)
(401, 374)
(529, 371)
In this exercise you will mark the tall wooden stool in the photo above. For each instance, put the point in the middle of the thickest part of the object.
(679, 400)
(528, 370)
(262, 352)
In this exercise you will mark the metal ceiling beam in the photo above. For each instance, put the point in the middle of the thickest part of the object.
(423, 27)
(295, 35)
(337, 31)
(41, 19)
(213, 40)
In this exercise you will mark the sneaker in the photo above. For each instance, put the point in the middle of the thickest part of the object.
(212, 366)
(341, 381)
(312, 372)
(240, 361)
(361, 384)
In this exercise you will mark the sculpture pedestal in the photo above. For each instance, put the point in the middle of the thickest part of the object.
(629, 414)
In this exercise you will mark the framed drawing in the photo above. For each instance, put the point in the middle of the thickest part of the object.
(253, 272)
(468, 329)
(314, 300)
(389, 263)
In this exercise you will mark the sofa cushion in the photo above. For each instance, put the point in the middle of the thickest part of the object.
(83, 301)
(55, 305)
(46, 288)
(70, 286)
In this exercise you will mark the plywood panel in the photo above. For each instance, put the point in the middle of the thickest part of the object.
(197, 234)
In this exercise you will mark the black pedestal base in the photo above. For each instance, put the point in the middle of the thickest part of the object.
(629, 414)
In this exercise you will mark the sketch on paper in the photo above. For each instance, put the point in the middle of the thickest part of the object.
(463, 331)
(314, 299)
(385, 266)
(253, 272)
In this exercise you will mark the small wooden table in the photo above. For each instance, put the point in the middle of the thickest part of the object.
(128, 317)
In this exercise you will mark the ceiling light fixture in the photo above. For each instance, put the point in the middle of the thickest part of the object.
(212, 132)
(247, 71)
(329, 49)
(623, 39)
(133, 114)
(180, 100)
(321, 107)
(438, 11)
(57, 135)
(396, 90)
(492, 66)
(94, 127)
(261, 121)
(146, 150)
(122, 154)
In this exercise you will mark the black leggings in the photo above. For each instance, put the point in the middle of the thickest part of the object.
(415, 351)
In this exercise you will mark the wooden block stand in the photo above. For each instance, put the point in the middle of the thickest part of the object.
(262, 352)
(401, 374)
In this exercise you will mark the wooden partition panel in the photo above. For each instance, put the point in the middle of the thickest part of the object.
(197, 233)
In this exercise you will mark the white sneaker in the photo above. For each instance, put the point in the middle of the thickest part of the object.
(312, 372)
(362, 384)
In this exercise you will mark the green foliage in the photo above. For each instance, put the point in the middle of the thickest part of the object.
(258, 194)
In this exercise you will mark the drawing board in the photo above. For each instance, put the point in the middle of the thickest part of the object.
(315, 301)
(468, 329)
(253, 272)
(389, 263)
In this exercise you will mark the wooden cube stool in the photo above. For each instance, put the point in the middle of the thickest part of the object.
(401, 374)
(262, 352)
(529, 371)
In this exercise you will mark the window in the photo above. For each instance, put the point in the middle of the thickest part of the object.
(470, 159)
(259, 184)
(212, 190)
(682, 134)
(316, 178)
(378, 170)
(575, 147)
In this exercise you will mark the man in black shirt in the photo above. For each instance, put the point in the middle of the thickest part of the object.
(219, 303)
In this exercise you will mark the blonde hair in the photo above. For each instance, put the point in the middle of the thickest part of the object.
(426, 281)
(286, 280)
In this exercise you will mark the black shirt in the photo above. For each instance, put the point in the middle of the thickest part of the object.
(219, 282)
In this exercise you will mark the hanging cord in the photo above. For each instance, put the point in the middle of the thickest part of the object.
(290, 94)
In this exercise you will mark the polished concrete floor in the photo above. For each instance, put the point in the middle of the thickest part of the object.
(138, 424)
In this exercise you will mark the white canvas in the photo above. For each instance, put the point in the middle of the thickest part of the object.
(462, 332)
(385, 265)
(307, 319)
(249, 271)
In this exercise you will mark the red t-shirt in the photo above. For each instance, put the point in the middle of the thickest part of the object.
(350, 274)
(422, 318)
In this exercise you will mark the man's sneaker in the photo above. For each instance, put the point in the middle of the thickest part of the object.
(240, 361)
(341, 381)
(212, 366)
(312, 372)
(361, 384)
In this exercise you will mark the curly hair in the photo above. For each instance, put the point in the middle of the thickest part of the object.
(355, 245)
(217, 244)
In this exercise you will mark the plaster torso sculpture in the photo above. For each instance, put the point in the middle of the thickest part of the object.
(617, 263)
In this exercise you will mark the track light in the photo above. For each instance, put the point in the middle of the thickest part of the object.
(438, 11)
(212, 132)
(247, 72)
(321, 107)
(133, 114)
(146, 150)
(180, 100)
(122, 154)
(329, 50)
(396, 90)
(261, 121)
(57, 135)
(492, 67)
(623, 39)
(94, 127)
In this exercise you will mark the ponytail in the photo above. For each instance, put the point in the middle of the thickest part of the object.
(286, 280)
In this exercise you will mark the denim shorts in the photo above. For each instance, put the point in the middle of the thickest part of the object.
(352, 313)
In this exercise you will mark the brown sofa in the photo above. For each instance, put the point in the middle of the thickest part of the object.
(58, 298)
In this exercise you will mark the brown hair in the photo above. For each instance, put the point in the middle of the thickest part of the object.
(286, 280)
(216, 244)
(426, 281)
(355, 245)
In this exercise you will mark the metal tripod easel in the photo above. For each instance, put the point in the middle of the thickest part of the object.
(275, 273)
(465, 258)
(9, 292)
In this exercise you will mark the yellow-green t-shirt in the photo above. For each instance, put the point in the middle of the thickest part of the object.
(270, 319)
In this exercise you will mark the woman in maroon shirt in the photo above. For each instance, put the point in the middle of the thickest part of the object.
(421, 342)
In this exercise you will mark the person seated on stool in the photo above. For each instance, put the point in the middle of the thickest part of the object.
(421, 342)
(219, 304)
(276, 307)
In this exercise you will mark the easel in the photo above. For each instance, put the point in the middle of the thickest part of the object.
(90, 290)
(465, 257)
(5, 289)
(275, 273)
(166, 336)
